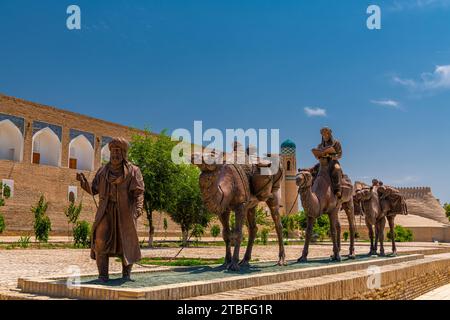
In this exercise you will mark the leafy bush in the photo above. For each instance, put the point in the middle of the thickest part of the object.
(215, 231)
(6, 191)
(198, 231)
(321, 227)
(289, 224)
(81, 234)
(401, 234)
(72, 212)
(346, 235)
(264, 236)
(42, 225)
(2, 224)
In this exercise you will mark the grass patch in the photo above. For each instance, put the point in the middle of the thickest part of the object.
(182, 262)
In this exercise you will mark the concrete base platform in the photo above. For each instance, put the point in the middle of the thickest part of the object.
(317, 279)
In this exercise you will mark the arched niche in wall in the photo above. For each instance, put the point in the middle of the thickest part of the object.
(11, 141)
(46, 148)
(81, 154)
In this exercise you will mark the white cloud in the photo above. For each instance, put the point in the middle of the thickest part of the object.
(439, 79)
(315, 112)
(401, 5)
(386, 103)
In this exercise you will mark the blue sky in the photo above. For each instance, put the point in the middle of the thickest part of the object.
(251, 64)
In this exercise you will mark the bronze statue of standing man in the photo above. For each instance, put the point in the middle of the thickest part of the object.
(120, 187)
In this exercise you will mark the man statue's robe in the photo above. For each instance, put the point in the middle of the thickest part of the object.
(121, 203)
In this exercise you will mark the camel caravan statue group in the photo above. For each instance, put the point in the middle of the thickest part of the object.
(229, 187)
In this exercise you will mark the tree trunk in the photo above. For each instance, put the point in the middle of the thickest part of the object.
(184, 236)
(151, 231)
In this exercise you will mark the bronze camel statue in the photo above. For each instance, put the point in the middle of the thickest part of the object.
(227, 187)
(318, 198)
(265, 188)
(374, 217)
(392, 203)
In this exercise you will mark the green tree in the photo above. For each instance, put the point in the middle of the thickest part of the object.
(447, 210)
(5, 193)
(42, 225)
(72, 212)
(187, 209)
(215, 231)
(152, 154)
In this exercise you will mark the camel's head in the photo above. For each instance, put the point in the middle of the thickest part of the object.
(206, 162)
(357, 197)
(364, 194)
(304, 179)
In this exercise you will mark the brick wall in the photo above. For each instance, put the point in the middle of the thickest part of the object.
(32, 180)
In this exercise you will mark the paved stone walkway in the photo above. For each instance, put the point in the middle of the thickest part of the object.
(442, 293)
(55, 262)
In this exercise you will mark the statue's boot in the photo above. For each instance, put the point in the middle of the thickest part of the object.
(126, 271)
(103, 267)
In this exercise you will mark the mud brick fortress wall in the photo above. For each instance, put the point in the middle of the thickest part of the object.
(63, 134)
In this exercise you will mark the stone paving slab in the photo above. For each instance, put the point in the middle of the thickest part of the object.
(53, 262)
(441, 293)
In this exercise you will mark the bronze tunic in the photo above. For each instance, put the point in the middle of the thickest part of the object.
(121, 202)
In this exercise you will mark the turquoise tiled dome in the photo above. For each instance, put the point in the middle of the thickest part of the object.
(288, 147)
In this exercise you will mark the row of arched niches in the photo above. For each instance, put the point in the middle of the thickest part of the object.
(46, 144)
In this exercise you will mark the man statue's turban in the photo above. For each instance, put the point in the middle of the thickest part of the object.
(120, 143)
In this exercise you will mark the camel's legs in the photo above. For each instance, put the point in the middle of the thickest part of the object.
(373, 250)
(274, 211)
(226, 233)
(252, 230)
(381, 223)
(377, 235)
(350, 212)
(308, 236)
(240, 215)
(392, 232)
(334, 221)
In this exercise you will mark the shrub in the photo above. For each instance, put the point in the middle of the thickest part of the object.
(345, 235)
(215, 231)
(401, 234)
(2, 224)
(197, 232)
(289, 223)
(264, 236)
(321, 227)
(6, 192)
(81, 234)
(42, 225)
